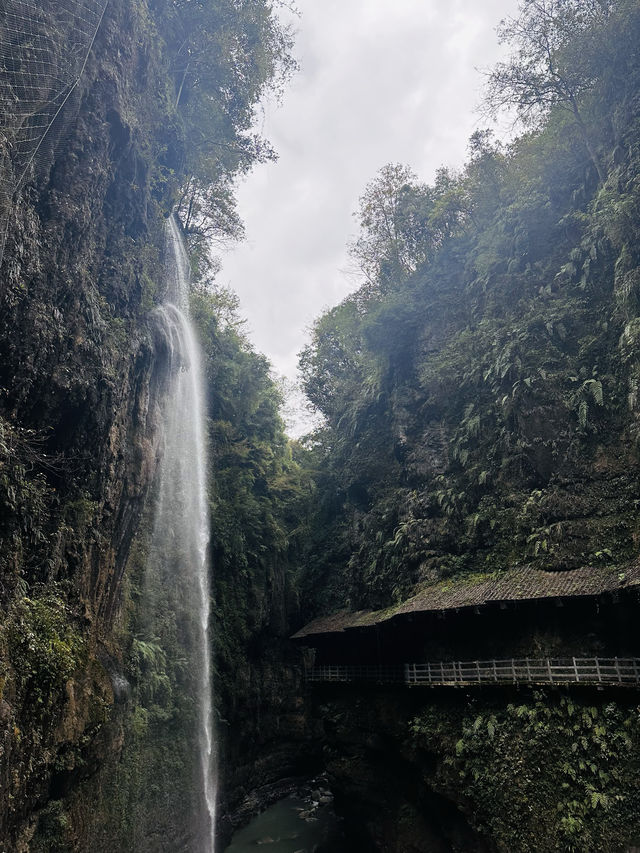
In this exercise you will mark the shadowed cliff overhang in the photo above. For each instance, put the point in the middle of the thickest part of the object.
(517, 585)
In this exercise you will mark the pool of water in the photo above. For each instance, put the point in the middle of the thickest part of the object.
(291, 826)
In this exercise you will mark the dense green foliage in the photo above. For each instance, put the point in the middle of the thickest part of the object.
(480, 400)
(480, 390)
(554, 770)
(259, 497)
(45, 651)
(224, 56)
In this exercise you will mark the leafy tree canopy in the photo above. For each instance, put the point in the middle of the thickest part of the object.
(224, 56)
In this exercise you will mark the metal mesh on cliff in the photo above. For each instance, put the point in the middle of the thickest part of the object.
(44, 48)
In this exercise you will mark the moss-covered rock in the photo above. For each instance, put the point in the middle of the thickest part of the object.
(543, 771)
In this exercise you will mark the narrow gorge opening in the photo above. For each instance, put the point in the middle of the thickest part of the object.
(386, 599)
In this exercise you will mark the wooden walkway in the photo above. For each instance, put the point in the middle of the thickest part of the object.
(612, 671)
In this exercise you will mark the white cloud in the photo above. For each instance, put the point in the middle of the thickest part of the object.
(381, 81)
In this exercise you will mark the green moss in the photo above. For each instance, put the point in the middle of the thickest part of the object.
(550, 772)
(44, 652)
(52, 830)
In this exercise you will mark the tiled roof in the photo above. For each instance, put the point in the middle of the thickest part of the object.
(522, 584)
(336, 623)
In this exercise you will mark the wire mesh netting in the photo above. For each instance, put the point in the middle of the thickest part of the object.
(44, 48)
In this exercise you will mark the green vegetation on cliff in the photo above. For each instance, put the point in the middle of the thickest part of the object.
(480, 396)
(161, 117)
(480, 390)
(541, 772)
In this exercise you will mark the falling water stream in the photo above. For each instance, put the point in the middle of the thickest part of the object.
(181, 525)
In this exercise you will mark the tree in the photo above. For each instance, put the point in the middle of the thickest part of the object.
(208, 212)
(224, 56)
(331, 365)
(548, 68)
(393, 215)
(450, 206)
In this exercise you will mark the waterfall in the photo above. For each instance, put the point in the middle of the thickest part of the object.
(181, 526)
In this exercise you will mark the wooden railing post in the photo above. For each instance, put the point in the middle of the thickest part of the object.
(575, 669)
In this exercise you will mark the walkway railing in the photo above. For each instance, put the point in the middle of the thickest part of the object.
(618, 671)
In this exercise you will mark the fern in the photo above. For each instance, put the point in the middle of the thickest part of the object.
(582, 413)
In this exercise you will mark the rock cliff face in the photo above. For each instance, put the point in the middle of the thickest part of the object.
(89, 748)
(482, 770)
(381, 784)
(271, 739)
(80, 381)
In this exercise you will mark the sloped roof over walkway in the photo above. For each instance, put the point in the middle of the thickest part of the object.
(522, 584)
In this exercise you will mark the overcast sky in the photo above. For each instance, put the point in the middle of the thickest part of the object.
(381, 81)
